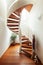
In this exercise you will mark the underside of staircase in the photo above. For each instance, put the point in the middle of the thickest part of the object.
(13, 23)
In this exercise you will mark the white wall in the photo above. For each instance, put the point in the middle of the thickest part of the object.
(4, 31)
(25, 30)
(3, 9)
(4, 37)
(36, 24)
(32, 23)
(10, 3)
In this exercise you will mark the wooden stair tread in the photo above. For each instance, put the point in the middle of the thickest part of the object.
(16, 12)
(24, 38)
(28, 49)
(26, 42)
(12, 19)
(9, 21)
(23, 35)
(11, 25)
(26, 46)
(12, 16)
(28, 52)
(14, 28)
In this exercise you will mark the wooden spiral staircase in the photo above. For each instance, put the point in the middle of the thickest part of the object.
(13, 24)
